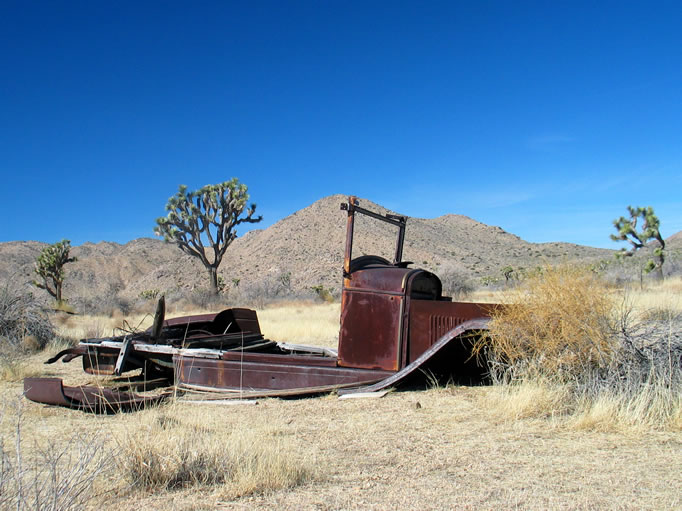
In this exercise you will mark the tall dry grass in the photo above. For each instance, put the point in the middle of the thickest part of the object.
(171, 449)
(303, 323)
(567, 345)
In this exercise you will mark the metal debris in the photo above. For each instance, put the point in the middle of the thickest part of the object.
(395, 323)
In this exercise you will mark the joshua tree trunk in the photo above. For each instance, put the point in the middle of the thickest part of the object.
(213, 274)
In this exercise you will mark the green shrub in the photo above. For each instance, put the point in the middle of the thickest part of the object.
(149, 294)
(323, 293)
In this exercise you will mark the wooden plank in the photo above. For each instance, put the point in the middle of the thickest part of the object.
(122, 356)
(365, 395)
(220, 402)
(329, 352)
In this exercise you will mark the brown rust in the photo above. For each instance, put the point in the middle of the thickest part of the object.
(87, 398)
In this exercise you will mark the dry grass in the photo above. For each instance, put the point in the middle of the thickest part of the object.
(557, 326)
(453, 452)
(15, 370)
(450, 453)
(170, 449)
(462, 448)
(567, 346)
(658, 301)
(532, 399)
(315, 324)
(53, 475)
(487, 296)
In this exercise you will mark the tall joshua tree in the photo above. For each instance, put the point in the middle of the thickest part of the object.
(202, 222)
(627, 231)
(50, 268)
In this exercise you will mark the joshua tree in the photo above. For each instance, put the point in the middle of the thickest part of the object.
(507, 271)
(50, 268)
(205, 219)
(627, 231)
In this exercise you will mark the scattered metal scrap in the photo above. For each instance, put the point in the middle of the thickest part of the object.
(395, 323)
(95, 399)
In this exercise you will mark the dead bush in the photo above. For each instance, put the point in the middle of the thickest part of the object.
(456, 282)
(566, 328)
(49, 475)
(24, 324)
(557, 326)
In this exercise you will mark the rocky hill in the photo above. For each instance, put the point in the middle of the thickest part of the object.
(302, 250)
(674, 242)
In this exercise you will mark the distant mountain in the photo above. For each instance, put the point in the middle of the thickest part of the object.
(674, 241)
(304, 249)
(310, 242)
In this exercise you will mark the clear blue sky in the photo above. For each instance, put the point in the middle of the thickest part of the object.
(545, 118)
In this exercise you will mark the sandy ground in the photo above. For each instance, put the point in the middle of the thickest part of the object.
(442, 448)
(435, 449)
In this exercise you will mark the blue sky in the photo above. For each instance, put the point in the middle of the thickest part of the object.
(545, 118)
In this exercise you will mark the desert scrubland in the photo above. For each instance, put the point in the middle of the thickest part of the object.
(530, 441)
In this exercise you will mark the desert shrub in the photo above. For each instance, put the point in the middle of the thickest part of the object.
(322, 293)
(58, 476)
(268, 289)
(24, 324)
(205, 299)
(456, 282)
(556, 326)
(109, 302)
(149, 294)
(167, 453)
(673, 265)
(566, 328)
(629, 270)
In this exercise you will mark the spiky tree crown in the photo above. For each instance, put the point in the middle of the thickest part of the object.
(206, 217)
(50, 266)
(627, 231)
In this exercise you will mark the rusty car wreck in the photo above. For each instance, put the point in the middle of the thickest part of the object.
(395, 324)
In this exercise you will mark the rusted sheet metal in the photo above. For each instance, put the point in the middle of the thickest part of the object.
(227, 321)
(94, 399)
(370, 330)
(430, 320)
(268, 373)
(457, 334)
(96, 359)
(68, 354)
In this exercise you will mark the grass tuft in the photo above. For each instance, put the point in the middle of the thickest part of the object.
(167, 453)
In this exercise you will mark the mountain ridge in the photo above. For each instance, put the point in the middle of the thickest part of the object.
(302, 250)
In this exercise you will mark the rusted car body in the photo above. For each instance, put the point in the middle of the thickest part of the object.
(395, 323)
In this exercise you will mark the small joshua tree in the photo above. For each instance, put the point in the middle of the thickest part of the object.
(50, 268)
(206, 219)
(508, 272)
(627, 231)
